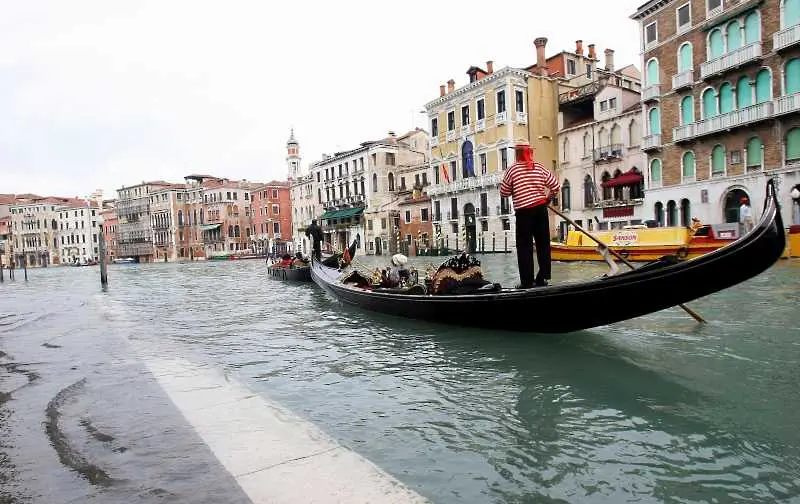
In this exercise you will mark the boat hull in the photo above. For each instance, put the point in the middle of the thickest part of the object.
(290, 274)
(638, 253)
(592, 303)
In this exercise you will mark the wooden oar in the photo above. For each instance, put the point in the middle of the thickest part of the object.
(688, 310)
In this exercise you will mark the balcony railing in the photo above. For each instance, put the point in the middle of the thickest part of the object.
(723, 122)
(466, 184)
(501, 117)
(466, 130)
(480, 125)
(651, 92)
(732, 59)
(787, 104)
(452, 215)
(434, 141)
(522, 117)
(608, 152)
(451, 135)
(651, 141)
(501, 210)
(611, 203)
(683, 79)
(786, 38)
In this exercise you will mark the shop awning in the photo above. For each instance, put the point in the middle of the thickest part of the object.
(341, 214)
(209, 227)
(627, 178)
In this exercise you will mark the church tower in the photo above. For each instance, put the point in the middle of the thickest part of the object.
(293, 157)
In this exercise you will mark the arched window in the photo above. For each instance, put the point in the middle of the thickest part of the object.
(658, 213)
(587, 145)
(687, 110)
(606, 190)
(793, 144)
(236, 231)
(655, 172)
(618, 189)
(654, 117)
(467, 166)
(588, 191)
(391, 181)
(744, 93)
(790, 15)
(763, 86)
(602, 138)
(230, 230)
(791, 76)
(716, 44)
(685, 57)
(672, 213)
(616, 135)
(717, 160)
(374, 182)
(754, 155)
(725, 98)
(688, 166)
(637, 189)
(686, 212)
(709, 103)
(652, 76)
(565, 195)
(734, 33)
(752, 28)
(634, 134)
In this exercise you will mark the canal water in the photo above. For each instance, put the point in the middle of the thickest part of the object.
(655, 409)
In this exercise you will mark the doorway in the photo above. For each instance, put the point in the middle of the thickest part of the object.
(469, 223)
(378, 250)
(733, 200)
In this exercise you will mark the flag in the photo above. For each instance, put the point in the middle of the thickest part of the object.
(445, 174)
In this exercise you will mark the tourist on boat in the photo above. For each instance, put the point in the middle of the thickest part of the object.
(315, 233)
(746, 215)
(696, 224)
(299, 261)
(286, 261)
(530, 185)
(398, 272)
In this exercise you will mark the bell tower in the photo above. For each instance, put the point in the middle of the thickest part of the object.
(293, 157)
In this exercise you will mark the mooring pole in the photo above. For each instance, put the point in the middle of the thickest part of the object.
(101, 247)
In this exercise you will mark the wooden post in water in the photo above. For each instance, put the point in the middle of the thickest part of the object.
(101, 247)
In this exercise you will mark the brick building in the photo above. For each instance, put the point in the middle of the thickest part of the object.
(272, 218)
(416, 227)
(721, 105)
(110, 231)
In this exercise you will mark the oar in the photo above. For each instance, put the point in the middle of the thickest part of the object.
(688, 310)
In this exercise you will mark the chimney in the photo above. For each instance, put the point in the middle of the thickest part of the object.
(579, 47)
(541, 62)
(592, 54)
(490, 67)
(441, 90)
(451, 86)
(610, 60)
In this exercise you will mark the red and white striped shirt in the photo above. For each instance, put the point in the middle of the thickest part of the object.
(527, 186)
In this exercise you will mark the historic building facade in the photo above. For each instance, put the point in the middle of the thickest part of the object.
(721, 105)
(135, 224)
(272, 218)
(110, 230)
(34, 229)
(473, 130)
(601, 164)
(79, 229)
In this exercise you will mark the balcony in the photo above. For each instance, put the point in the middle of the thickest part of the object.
(786, 38)
(730, 60)
(466, 130)
(482, 213)
(501, 210)
(650, 142)
(437, 217)
(723, 122)
(683, 80)
(451, 136)
(651, 92)
(452, 215)
(434, 140)
(500, 118)
(613, 203)
(611, 152)
(480, 125)
(467, 184)
(522, 117)
(787, 104)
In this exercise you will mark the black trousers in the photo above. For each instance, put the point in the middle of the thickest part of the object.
(317, 250)
(533, 224)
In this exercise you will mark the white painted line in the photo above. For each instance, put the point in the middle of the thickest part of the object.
(275, 456)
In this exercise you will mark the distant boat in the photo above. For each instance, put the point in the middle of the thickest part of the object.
(124, 260)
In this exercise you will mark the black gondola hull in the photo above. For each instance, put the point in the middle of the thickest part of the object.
(586, 304)
(290, 274)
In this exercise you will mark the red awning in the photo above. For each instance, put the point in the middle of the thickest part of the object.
(627, 178)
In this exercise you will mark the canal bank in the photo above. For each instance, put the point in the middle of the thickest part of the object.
(649, 409)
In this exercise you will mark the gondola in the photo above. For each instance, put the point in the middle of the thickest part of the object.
(292, 274)
(652, 287)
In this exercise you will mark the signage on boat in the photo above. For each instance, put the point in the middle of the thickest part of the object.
(625, 237)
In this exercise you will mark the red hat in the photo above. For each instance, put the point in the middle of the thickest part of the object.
(524, 153)
(744, 199)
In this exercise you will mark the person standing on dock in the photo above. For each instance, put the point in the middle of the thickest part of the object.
(746, 215)
(315, 232)
(530, 185)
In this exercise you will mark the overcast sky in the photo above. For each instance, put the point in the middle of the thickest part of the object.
(101, 94)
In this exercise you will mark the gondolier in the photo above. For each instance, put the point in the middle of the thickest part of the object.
(315, 233)
(530, 185)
